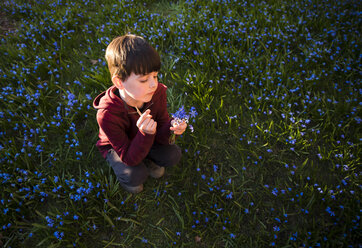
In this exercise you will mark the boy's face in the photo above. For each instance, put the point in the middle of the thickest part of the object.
(140, 88)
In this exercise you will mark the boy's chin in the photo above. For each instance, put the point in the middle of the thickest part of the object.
(148, 98)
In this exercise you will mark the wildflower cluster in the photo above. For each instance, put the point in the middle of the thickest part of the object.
(180, 116)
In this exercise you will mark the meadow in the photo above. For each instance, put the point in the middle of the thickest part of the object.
(274, 158)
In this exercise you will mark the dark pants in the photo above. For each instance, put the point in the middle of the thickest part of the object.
(162, 155)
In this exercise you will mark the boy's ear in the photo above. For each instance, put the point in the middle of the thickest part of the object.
(117, 82)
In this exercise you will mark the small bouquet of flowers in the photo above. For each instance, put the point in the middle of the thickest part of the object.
(180, 116)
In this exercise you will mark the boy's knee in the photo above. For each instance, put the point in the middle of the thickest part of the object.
(128, 175)
(134, 175)
(173, 156)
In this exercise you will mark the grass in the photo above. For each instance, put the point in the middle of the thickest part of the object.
(275, 156)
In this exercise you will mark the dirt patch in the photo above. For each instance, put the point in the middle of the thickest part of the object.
(6, 24)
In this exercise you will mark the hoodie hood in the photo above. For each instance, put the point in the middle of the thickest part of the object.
(108, 100)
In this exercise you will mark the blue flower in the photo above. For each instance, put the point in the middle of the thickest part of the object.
(229, 196)
(193, 112)
(59, 235)
(50, 221)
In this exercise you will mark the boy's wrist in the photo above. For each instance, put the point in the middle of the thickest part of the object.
(146, 133)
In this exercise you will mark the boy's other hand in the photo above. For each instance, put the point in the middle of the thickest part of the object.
(146, 124)
(178, 129)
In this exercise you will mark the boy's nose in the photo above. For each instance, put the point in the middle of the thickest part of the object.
(153, 83)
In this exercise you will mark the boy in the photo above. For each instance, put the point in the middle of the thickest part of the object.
(134, 125)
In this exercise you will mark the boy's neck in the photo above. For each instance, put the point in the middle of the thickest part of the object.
(129, 100)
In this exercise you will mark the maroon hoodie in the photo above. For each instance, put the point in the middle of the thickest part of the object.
(117, 125)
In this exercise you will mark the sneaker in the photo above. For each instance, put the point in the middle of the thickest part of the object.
(133, 189)
(155, 170)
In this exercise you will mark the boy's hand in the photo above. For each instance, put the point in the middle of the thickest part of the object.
(146, 124)
(178, 129)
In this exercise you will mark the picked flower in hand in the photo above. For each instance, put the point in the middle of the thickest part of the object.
(179, 123)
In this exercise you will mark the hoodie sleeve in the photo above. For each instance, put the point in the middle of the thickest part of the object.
(131, 152)
(163, 120)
